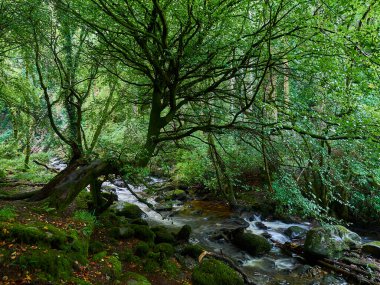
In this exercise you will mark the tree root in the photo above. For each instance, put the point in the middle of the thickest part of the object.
(20, 196)
(20, 183)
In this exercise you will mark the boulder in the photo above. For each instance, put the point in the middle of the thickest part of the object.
(143, 233)
(330, 241)
(261, 226)
(251, 243)
(163, 235)
(372, 248)
(295, 232)
(177, 194)
(184, 233)
(192, 250)
(126, 232)
(214, 272)
(233, 225)
(130, 211)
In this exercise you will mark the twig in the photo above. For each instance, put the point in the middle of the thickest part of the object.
(141, 200)
(47, 167)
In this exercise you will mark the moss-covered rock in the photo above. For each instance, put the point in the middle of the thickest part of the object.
(130, 211)
(184, 233)
(214, 272)
(96, 246)
(251, 243)
(163, 235)
(192, 250)
(126, 232)
(177, 194)
(372, 248)
(38, 233)
(127, 255)
(110, 219)
(52, 262)
(133, 278)
(330, 241)
(294, 232)
(142, 249)
(165, 249)
(143, 233)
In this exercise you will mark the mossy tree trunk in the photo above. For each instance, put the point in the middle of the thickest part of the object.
(63, 189)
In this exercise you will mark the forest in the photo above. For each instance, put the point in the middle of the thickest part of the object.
(204, 142)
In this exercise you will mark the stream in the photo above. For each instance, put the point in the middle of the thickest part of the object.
(205, 217)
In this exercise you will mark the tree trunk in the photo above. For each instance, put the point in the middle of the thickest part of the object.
(64, 187)
(224, 181)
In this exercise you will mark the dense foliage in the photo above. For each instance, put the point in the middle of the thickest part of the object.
(272, 100)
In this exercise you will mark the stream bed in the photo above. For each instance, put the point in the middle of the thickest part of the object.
(205, 217)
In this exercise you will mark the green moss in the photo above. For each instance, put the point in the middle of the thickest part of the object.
(192, 250)
(151, 265)
(37, 233)
(133, 278)
(170, 268)
(139, 222)
(166, 250)
(128, 256)
(143, 233)
(99, 255)
(214, 272)
(175, 195)
(130, 211)
(7, 213)
(142, 249)
(96, 246)
(372, 248)
(52, 262)
(184, 233)
(109, 219)
(116, 269)
(251, 243)
(330, 241)
(79, 248)
(163, 235)
(126, 232)
(83, 199)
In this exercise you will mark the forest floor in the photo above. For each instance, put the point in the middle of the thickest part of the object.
(20, 225)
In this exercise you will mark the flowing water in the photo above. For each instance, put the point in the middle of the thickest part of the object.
(205, 217)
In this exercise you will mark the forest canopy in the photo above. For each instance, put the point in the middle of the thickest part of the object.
(279, 97)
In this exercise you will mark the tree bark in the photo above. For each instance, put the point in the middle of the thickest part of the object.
(64, 187)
